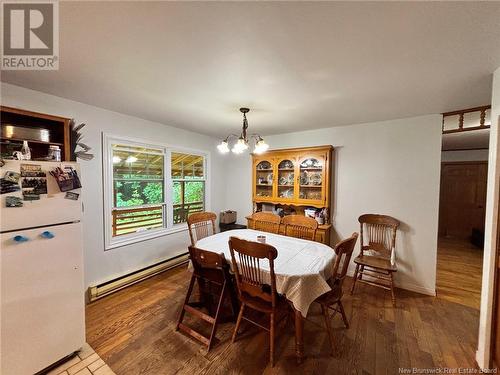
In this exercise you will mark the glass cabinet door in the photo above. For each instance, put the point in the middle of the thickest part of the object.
(311, 178)
(264, 180)
(286, 179)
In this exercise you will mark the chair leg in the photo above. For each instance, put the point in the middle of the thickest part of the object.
(344, 317)
(186, 301)
(355, 278)
(234, 301)
(238, 321)
(392, 290)
(217, 313)
(324, 310)
(272, 322)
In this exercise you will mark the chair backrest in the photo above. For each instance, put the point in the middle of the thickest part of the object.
(300, 226)
(343, 251)
(201, 225)
(266, 222)
(209, 265)
(246, 257)
(378, 234)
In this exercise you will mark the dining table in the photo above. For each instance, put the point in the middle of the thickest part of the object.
(302, 269)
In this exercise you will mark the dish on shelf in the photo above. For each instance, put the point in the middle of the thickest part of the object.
(263, 194)
(310, 163)
(288, 193)
(264, 165)
(315, 178)
(285, 164)
(314, 195)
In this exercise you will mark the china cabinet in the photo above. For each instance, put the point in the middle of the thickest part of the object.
(293, 176)
(294, 179)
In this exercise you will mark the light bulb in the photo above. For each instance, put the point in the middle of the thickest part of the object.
(131, 159)
(240, 146)
(260, 147)
(116, 159)
(223, 147)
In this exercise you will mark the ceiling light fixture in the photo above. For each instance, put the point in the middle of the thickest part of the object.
(242, 142)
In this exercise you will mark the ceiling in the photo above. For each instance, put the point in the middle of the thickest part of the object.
(297, 65)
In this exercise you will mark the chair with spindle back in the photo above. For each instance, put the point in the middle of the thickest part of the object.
(300, 226)
(332, 300)
(266, 222)
(201, 225)
(208, 268)
(255, 290)
(377, 252)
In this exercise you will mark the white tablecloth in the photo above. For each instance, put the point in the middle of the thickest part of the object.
(302, 267)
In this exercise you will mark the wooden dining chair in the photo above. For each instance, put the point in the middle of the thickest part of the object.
(266, 222)
(201, 225)
(332, 300)
(255, 290)
(300, 226)
(377, 252)
(209, 269)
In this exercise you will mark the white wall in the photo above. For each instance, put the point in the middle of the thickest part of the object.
(490, 239)
(390, 167)
(464, 155)
(103, 265)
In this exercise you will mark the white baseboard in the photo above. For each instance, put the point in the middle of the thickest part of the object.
(106, 288)
(407, 286)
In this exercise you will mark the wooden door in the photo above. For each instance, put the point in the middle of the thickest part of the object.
(285, 178)
(264, 174)
(462, 198)
(311, 178)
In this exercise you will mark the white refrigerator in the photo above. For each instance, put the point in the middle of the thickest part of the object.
(41, 262)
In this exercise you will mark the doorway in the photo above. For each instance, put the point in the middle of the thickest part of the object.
(462, 208)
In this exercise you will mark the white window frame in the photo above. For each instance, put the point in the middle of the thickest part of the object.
(108, 140)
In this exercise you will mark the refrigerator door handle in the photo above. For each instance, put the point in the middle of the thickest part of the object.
(48, 235)
(20, 238)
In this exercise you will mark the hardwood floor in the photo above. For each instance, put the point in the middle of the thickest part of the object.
(133, 332)
(459, 272)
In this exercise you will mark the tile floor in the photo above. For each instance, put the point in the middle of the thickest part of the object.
(87, 362)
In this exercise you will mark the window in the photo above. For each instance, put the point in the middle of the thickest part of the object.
(188, 183)
(149, 190)
(138, 189)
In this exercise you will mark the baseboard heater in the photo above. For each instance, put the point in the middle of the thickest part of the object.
(111, 286)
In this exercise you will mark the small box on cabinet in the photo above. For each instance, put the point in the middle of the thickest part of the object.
(227, 217)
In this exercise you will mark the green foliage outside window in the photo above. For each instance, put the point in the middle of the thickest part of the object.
(193, 192)
(136, 193)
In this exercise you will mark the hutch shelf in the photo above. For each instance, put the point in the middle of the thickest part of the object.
(294, 179)
(39, 129)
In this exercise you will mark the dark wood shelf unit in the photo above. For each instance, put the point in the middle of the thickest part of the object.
(57, 128)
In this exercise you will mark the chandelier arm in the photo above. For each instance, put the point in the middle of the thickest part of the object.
(231, 135)
(256, 136)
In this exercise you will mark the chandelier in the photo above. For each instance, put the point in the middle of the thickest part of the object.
(242, 142)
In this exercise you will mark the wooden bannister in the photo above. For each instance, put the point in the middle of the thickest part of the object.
(461, 113)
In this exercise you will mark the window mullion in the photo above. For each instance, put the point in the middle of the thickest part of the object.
(169, 190)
